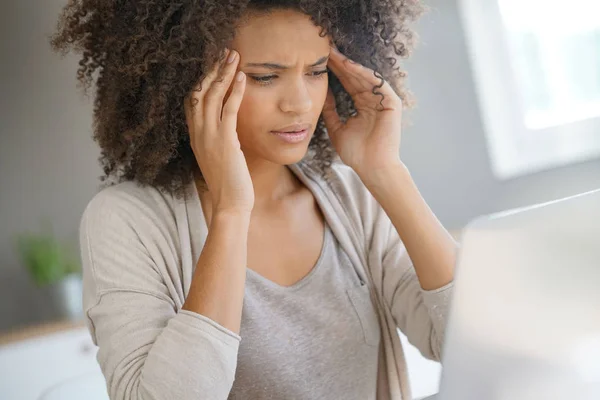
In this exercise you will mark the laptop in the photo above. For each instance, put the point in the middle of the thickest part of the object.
(525, 317)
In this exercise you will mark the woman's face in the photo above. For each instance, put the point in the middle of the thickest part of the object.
(285, 61)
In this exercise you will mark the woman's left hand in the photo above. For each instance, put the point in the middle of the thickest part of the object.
(369, 140)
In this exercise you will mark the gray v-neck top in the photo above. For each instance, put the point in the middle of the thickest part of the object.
(316, 339)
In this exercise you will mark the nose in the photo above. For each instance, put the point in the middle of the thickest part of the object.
(296, 98)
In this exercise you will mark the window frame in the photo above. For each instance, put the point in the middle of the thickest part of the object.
(514, 149)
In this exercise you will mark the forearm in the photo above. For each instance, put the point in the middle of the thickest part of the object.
(431, 248)
(217, 288)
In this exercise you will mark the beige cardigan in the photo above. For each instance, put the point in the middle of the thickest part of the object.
(140, 247)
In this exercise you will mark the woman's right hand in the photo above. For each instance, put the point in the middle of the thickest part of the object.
(212, 123)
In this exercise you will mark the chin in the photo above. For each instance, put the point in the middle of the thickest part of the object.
(287, 156)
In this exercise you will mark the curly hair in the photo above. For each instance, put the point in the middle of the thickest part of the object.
(145, 57)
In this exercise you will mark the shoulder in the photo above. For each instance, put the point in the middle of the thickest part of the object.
(342, 185)
(341, 181)
(129, 207)
(128, 235)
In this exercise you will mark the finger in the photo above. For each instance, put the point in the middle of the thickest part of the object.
(347, 81)
(215, 95)
(214, 72)
(361, 79)
(232, 106)
(194, 101)
(330, 115)
(338, 64)
(373, 81)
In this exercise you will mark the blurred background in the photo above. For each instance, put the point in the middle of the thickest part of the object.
(507, 115)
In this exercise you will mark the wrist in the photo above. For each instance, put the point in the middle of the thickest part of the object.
(237, 218)
(381, 177)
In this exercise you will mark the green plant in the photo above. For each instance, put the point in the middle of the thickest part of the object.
(45, 258)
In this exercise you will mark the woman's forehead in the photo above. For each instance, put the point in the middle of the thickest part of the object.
(279, 29)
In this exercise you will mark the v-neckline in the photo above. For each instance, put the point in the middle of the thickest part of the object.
(306, 279)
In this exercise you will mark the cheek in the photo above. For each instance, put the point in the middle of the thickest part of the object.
(319, 89)
(254, 111)
(321, 93)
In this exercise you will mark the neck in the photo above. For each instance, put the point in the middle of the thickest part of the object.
(272, 182)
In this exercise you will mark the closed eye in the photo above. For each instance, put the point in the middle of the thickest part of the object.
(268, 79)
(319, 73)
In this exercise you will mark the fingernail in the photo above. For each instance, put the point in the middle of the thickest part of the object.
(240, 76)
(231, 57)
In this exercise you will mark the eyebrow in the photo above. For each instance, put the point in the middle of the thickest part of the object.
(279, 66)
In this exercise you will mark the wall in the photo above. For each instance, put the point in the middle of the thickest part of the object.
(48, 164)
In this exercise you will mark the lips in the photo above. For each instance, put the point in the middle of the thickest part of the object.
(294, 128)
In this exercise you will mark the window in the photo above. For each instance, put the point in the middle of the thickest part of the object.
(536, 66)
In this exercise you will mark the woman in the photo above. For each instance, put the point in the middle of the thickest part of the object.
(235, 256)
